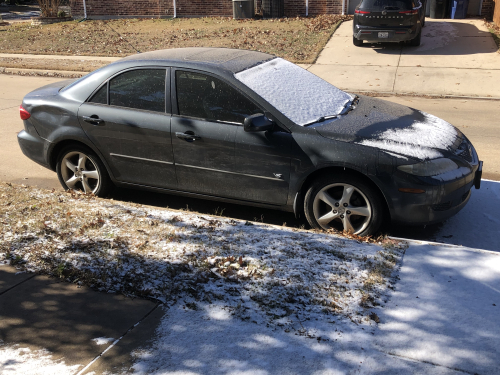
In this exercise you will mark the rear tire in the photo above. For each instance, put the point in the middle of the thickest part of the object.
(423, 22)
(79, 168)
(415, 42)
(357, 42)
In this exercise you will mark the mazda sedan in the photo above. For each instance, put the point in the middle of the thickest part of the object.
(249, 128)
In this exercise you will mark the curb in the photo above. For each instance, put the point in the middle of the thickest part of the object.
(432, 243)
(42, 73)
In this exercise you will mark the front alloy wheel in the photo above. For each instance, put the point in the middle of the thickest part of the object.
(78, 168)
(345, 204)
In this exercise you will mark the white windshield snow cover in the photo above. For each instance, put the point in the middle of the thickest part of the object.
(300, 95)
(420, 140)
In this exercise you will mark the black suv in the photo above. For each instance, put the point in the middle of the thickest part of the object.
(389, 21)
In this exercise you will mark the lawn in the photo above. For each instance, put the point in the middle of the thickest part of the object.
(169, 255)
(296, 39)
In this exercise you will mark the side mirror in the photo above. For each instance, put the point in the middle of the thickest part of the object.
(257, 123)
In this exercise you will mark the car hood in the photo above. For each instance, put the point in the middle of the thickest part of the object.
(393, 128)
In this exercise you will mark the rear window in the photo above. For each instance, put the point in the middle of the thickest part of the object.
(380, 5)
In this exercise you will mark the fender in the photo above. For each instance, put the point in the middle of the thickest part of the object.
(64, 135)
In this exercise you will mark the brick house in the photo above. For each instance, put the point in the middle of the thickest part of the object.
(190, 8)
(106, 9)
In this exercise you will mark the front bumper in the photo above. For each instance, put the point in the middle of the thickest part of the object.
(441, 200)
(371, 34)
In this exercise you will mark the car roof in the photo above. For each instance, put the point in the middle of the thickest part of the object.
(233, 60)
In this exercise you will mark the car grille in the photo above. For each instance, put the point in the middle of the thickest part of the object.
(449, 204)
(464, 197)
(464, 151)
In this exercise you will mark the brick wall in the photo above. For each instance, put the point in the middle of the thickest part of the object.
(193, 8)
(488, 8)
(152, 8)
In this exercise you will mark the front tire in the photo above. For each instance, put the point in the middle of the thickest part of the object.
(79, 168)
(344, 203)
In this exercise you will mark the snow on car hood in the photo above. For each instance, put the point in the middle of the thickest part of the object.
(300, 95)
(393, 128)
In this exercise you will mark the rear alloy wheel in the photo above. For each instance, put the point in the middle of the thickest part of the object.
(78, 168)
(415, 42)
(343, 203)
(357, 42)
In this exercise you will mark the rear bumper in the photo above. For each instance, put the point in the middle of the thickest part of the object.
(33, 147)
(371, 34)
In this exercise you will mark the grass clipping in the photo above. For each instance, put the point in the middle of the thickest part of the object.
(260, 272)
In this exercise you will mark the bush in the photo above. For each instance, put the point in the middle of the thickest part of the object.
(49, 8)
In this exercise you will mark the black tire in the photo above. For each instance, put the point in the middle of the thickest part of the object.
(423, 21)
(91, 176)
(357, 42)
(347, 194)
(416, 41)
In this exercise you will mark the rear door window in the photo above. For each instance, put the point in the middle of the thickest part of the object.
(381, 5)
(140, 89)
(101, 96)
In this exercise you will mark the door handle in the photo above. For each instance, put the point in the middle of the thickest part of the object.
(187, 136)
(94, 119)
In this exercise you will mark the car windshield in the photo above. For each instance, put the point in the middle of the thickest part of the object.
(300, 95)
(380, 5)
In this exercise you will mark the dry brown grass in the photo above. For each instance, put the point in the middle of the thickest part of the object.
(296, 39)
(51, 64)
(494, 29)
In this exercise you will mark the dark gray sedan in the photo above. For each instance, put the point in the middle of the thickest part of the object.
(249, 128)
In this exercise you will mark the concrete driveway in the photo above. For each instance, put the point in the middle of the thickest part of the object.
(456, 57)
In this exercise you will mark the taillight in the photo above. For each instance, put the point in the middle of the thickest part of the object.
(360, 12)
(414, 11)
(24, 113)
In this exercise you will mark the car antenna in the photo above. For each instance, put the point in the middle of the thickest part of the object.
(121, 37)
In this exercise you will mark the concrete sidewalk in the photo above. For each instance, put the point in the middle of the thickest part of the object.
(443, 313)
(41, 313)
(456, 57)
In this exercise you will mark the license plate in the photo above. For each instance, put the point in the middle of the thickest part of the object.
(383, 34)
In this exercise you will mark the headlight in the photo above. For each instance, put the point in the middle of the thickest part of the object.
(430, 167)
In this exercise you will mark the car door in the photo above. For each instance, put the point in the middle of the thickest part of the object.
(128, 119)
(213, 154)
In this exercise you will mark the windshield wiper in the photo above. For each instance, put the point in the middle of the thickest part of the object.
(347, 108)
(321, 119)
